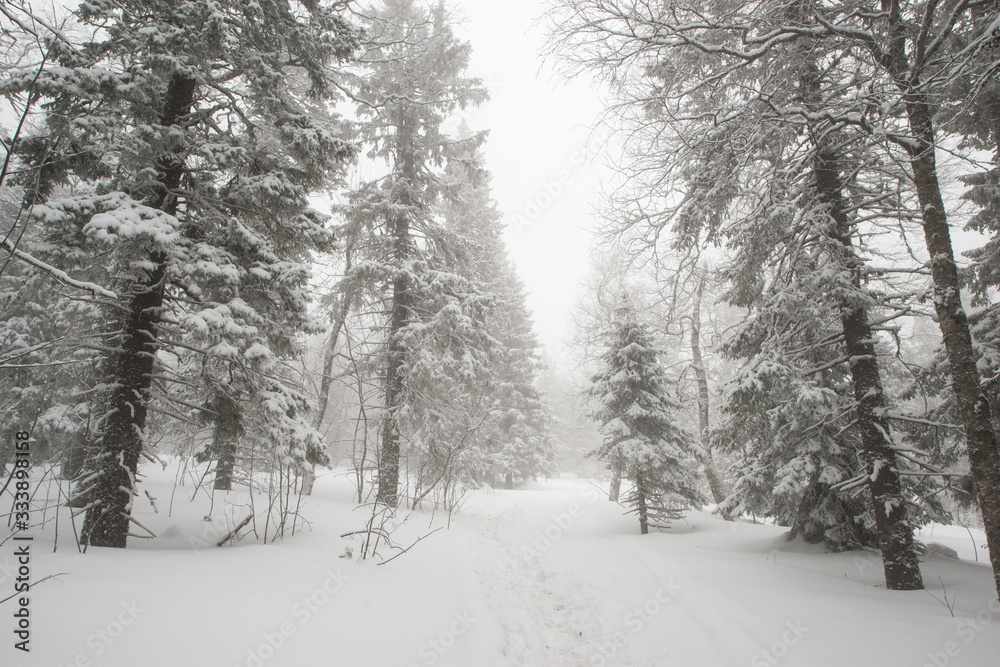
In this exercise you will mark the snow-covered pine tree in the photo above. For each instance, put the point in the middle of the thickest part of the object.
(524, 446)
(193, 133)
(413, 80)
(514, 444)
(639, 424)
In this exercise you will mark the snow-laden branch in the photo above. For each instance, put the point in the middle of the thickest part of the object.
(58, 274)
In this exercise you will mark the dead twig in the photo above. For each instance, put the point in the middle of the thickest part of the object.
(389, 560)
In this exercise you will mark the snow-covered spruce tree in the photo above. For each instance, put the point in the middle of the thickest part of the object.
(193, 133)
(49, 330)
(524, 447)
(638, 420)
(413, 80)
(514, 444)
(785, 429)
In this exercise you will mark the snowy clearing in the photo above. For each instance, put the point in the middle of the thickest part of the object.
(550, 574)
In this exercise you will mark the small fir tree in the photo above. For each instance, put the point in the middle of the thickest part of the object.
(638, 421)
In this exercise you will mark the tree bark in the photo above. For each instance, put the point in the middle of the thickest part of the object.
(641, 506)
(701, 379)
(388, 464)
(973, 403)
(75, 457)
(338, 316)
(980, 438)
(899, 557)
(308, 480)
(128, 370)
(225, 467)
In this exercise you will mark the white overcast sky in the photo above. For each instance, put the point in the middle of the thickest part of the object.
(542, 152)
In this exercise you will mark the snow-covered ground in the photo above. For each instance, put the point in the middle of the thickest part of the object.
(550, 574)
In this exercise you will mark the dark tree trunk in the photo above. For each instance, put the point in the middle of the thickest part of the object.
(701, 379)
(984, 456)
(75, 457)
(641, 510)
(388, 464)
(508, 482)
(225, 467)
(899, 557)
(228, 430)
(128, 370)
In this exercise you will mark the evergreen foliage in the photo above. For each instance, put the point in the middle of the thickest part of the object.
(181, 143)
(638, 419)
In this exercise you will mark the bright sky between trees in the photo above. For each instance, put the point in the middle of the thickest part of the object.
(543, 150)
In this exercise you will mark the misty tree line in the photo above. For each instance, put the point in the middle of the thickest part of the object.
(159, 198)
(799, 166)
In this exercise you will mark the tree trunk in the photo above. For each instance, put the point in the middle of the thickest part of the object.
(75, 457)
(984, 456)
(388, 464)
(308, 480)
(899, 557)
(508, 482)
(973, 403)
(128, 370)
(701, 379)
(640, 496)
(225, 467)
(338, 315)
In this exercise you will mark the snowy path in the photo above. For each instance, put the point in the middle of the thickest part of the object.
(552, 575)
(567, 596)
(545, 610)
(573, 584)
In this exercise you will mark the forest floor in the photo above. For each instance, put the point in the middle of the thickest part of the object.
(549, 574)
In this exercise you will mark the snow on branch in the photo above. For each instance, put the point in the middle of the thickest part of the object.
(58, 274)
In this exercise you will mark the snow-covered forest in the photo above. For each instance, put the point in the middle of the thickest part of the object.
(274, 389)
